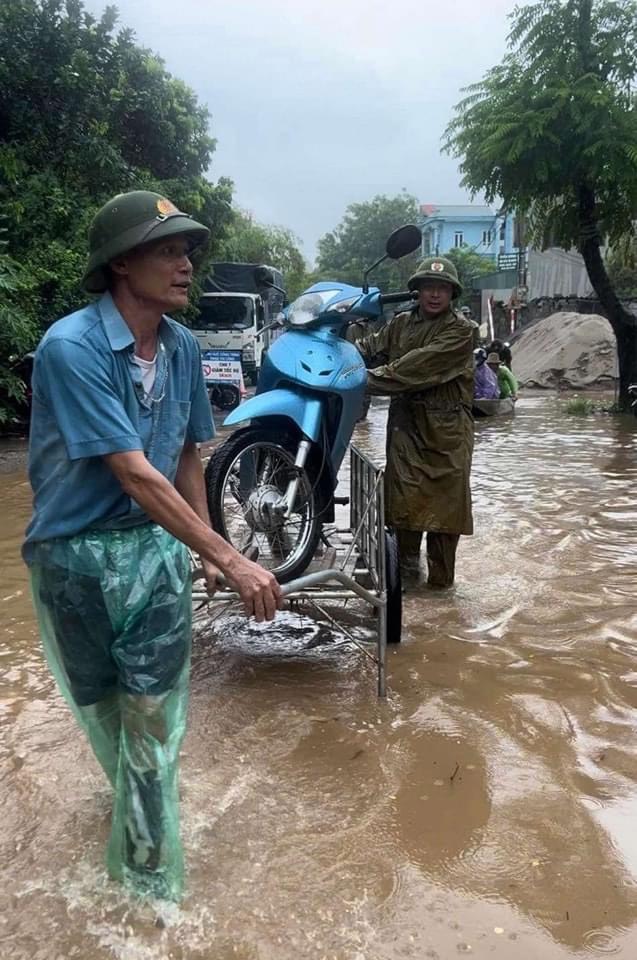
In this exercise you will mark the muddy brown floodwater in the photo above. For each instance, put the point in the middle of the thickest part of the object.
(488, 807)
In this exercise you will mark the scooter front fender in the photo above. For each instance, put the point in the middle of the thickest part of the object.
(304, 411)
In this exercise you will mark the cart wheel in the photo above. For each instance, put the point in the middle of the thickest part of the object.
(394, 588)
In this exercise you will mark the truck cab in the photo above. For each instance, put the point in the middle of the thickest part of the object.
(231, 321)
(232, 312)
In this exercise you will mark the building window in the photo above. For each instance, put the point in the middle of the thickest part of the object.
(486, 238)
(503, 232)
(458, 238)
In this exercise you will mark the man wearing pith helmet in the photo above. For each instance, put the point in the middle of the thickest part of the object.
(423, 360)
(119, 407)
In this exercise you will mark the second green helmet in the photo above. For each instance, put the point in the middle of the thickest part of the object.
(436, 268)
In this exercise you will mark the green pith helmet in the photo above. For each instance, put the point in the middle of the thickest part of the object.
(127, 221)
(436, 268)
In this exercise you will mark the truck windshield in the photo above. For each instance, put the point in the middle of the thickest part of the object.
(225, 313)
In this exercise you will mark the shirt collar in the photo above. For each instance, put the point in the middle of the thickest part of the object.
(445, 315)
(120, 335)
(117, 330)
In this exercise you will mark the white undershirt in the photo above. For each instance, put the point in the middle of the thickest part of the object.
(148, 369)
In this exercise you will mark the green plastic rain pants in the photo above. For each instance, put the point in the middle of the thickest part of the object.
(114, 610)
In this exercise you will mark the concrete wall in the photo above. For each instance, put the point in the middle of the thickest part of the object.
(557, 273)
(544, 307)
(553, 275)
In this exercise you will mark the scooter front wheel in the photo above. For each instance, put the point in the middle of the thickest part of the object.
(246, 481)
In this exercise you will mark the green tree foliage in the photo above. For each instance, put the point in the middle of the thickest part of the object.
(247, 241)
(469, 264)
(85, 113)
(359, 240)
(552, 131)
(18, 333)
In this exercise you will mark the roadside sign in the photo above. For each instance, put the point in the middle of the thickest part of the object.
(508, 261)
(222, 366)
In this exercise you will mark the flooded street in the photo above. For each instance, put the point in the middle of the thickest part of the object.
(487, 808)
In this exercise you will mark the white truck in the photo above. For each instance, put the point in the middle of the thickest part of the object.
(234, 308)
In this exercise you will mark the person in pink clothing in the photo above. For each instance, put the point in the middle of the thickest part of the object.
(485, 384)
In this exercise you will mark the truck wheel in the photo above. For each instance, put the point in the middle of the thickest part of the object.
(225, 396)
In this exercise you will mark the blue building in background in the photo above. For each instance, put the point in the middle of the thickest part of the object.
(480, 228)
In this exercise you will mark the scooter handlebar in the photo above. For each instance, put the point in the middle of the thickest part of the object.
(397, 297)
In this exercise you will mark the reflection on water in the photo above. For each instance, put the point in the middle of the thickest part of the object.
(486, 808)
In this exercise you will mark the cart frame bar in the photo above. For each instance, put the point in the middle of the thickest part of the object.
(365, 555)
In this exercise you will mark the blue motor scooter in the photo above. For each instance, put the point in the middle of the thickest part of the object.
(271, 485)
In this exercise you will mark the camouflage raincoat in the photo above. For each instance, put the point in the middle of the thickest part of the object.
(427, 370)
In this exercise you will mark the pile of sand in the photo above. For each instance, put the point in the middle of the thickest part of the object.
(566, 350)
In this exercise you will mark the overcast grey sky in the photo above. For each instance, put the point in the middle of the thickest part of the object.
(319, 103)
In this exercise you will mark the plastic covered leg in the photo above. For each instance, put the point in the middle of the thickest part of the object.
(144, 849)
(76, 634)
(115, 616)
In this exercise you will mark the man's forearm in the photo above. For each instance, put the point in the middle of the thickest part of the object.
(382, 386)
(422, 368)
(166, 506)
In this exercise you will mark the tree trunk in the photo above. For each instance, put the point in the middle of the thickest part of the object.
(624, 324)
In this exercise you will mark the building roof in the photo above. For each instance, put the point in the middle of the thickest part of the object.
(461, 211)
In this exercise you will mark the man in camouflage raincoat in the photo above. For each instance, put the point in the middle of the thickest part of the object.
(423, 360)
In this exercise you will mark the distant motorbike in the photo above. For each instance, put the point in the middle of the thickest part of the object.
(271, 485)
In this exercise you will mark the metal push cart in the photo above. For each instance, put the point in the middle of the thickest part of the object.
(357, 562)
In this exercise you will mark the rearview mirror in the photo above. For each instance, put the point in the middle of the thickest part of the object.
(403, 241)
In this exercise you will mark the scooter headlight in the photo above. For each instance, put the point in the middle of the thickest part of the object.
(308, 307)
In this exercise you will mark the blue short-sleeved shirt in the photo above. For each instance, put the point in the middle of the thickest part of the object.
(88, 401)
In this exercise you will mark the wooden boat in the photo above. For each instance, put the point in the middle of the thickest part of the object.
(493, 408)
